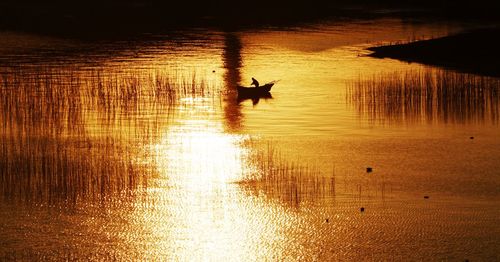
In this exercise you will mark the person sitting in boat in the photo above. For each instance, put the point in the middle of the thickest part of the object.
(255, 82)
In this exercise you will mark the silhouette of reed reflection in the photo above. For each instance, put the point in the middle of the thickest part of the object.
(431, 95)
(71, 136)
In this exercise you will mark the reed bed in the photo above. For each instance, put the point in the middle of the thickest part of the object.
(70, 135)
(431, 95)
(51, 172)
(288, 181)
(69, 87)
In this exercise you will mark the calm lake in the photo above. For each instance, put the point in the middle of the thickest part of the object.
(140, 149)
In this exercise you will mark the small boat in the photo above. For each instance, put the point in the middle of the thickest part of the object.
(255, 91)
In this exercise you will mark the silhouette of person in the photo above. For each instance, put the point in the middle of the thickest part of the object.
(255, 82)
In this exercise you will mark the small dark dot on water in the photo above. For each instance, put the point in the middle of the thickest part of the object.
(213, 71)
(327, 220)
(426, 197)
(369, 170)
(471, 137)
(362, 209)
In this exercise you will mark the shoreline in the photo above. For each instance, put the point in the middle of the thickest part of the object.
(469, 52)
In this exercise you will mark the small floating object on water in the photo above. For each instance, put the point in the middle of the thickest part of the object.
(426, 197)
(471, 137)
(213, 71)
(369, 170)
(326, 220)
(362, 209)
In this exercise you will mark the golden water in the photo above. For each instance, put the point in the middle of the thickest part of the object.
(139, 149)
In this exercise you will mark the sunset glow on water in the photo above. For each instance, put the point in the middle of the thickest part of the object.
(142, 150)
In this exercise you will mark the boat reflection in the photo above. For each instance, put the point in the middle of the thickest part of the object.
(231, 57)
(255, 98)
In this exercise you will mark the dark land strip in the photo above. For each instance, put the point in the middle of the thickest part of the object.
(475, 52)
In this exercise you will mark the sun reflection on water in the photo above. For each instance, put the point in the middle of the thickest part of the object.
(199, 213)
(195, 150)
(199, 153)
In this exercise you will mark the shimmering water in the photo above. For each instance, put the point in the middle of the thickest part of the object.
(140, 150)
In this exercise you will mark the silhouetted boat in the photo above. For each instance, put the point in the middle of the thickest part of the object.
(255, 91)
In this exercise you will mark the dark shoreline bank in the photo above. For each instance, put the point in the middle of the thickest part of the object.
(471, 52)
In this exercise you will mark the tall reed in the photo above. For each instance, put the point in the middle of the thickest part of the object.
(431, 95)
(70, 135)
(288, 181)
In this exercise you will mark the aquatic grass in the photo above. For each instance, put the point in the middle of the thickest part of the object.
(288, 181)
(366, 186)
(410, 39)
(68, 98)
(431, 95)
(44, 171)
(69, 135)
(66, 83)
(294, 182)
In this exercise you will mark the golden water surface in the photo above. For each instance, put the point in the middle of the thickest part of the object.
(140, 149)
